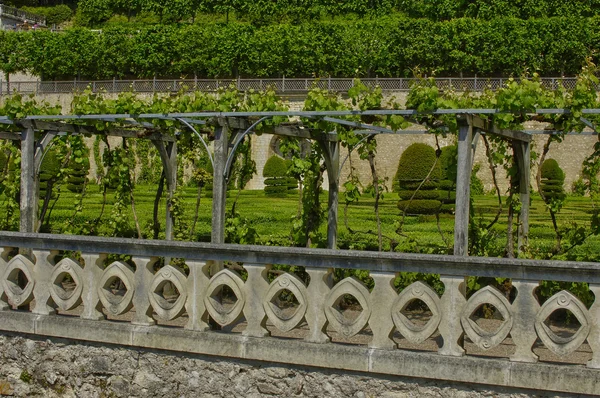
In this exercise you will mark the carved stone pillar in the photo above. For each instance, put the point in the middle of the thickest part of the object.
(197, 284)
(318, 289)
(594, 336)
(3, 266)
(452, 303)
(142, 281)
(382, 299)
(525, 308)
(256, 287)
(42, 273)
(92, 273)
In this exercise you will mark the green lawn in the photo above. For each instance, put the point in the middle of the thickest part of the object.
(272, 220)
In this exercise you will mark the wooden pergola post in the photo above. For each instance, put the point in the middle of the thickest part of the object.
(219, 184)
(168, 156)
(463, 187)
(523, 155)
(28, 197)
(332, 162)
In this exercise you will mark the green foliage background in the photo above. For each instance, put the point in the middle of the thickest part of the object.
(386, 47)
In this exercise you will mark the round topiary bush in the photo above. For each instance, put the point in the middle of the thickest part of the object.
(553, 179)
(277, 183)
(417, 163)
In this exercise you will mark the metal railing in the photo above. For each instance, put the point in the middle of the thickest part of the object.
(280, 85)
(22, 15)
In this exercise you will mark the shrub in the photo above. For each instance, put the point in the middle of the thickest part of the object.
(275, 167)
(552, 171)
(449, 162)
(415, 164)
(49, 171)
(277, 183)
(54, 15)
(78, 175)
(421, 206)
(553, 178)
(420, 194)
(477, 187)
(418, 162)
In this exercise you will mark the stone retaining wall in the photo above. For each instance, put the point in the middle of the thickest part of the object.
(34, 366)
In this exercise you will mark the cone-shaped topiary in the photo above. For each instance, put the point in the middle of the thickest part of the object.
(553, 179)
(276, 179)
(78, 175)
(49, 171)
(419, 163)
(447, 188)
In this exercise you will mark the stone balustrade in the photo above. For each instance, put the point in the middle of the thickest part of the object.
(124, 302)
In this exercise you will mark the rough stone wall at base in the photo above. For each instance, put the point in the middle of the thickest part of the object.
(61, 368)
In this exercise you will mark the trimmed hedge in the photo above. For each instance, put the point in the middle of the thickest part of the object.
(275, 167)
(78, 175)
(277, 183)
(415, 164)
(420, 206)
(418, 162)
(386, 47)
(420, 194)
(49, 170)
(553, 179)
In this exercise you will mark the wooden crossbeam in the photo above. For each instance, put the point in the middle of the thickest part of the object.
(40, 125)
(5, 135)
(487, 126)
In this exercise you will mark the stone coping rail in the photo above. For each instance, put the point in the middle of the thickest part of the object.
(65, 286)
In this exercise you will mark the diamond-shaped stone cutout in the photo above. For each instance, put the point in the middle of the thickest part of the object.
(491, 335)
(488, 318)
(225, 299)
(351, 323)
(563, 323)
(416, 312)
(348, 307)
(17, 281)
(558, 344)
(116, 288)
(67, 284)
(168, 292)
(285, 302)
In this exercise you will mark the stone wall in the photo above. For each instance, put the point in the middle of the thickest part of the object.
(32, 366)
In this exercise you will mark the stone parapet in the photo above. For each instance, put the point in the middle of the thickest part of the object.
(136, 303)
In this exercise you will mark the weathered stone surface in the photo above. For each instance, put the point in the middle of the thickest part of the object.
(57, 368)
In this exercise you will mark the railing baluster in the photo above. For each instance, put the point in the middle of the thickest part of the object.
(256, 286)
(92, 273)
(318, 288)
(197, 283)
(594, 336)
(382, 298)
(42, 271)
(3, 265)
(142, 280)
(525, 307)
(452, 303)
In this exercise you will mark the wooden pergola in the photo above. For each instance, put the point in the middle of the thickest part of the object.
(35, 134)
